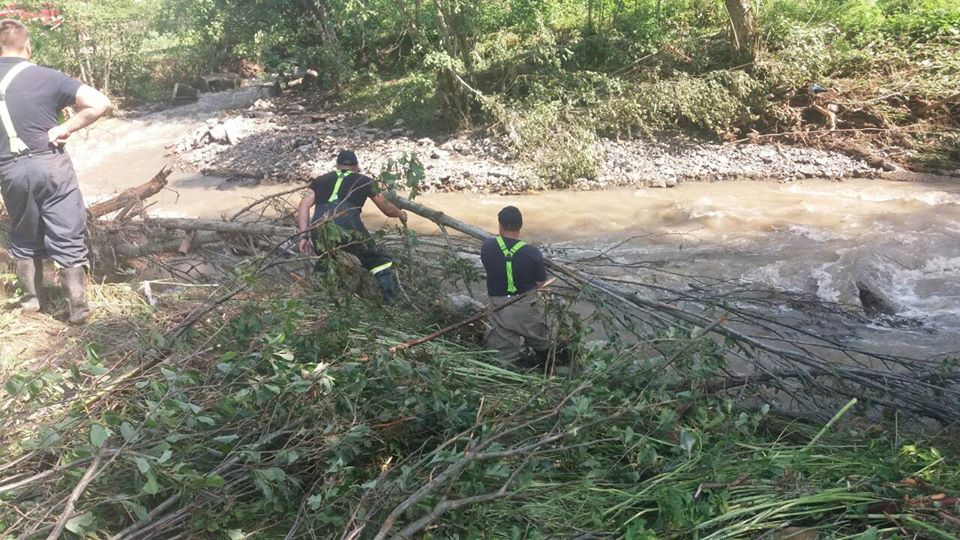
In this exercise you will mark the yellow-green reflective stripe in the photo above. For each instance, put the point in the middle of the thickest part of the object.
(336, 187)
(508, 254)
(377, 269)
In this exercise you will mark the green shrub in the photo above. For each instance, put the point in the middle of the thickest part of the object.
(562, 147)
(411, 99)
(709, 104)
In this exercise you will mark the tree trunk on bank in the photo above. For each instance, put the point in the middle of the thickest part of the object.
(743, 29)
(451, 20)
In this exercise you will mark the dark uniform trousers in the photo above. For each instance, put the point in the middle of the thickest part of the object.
(47, 214)
(357, 242)
(521, 323)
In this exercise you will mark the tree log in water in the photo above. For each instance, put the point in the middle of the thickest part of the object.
(134, 195)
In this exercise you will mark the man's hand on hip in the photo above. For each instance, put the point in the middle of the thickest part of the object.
(58, 135)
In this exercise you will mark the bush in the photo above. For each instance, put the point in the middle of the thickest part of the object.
(562, 148)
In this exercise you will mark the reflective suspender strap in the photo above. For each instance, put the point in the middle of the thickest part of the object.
(17, 145)
(377, 269)
(508, 254)
(336, 187)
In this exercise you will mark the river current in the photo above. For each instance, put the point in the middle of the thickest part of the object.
(817, 237)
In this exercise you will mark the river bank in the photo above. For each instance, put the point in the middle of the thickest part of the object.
(291, 139)
(813, 236)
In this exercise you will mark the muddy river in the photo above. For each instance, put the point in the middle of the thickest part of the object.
(813, 236)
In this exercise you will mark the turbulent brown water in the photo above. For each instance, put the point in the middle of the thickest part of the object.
(812, 236)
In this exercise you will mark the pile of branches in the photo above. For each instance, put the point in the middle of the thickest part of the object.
(285, 416)
(276, 412)
(805, 368)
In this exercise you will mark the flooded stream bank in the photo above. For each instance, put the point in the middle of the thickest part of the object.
(813, 236)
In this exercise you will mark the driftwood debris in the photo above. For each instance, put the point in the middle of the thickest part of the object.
(132, 196)
(820, 368)
(239, 227)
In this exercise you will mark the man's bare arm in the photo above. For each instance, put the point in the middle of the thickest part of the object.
(91, 104)
(303, 219)
(388, 208)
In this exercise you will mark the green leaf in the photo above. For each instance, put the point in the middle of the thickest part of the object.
(129, 432)
(95, 370)
(274, 473)
(165, 456)
(213, 481)
(315, 501)
(142, 465)
(152, 487)
(98, 435)
(80, 524)
(687, 440)
(226, 439)
(174, 437)
(235, 534)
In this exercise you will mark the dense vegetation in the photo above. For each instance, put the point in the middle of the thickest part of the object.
(264, 408)
(285, 415)
(556, 74)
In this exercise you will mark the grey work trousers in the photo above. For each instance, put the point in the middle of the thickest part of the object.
(47, 214)
(519, 324)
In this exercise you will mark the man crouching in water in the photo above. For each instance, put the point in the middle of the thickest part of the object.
(339, 196)
(513, 268)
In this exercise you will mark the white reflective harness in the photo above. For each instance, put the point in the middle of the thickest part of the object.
(17, 145)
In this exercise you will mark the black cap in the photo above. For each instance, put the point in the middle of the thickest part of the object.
(348, 158)
(510, 218)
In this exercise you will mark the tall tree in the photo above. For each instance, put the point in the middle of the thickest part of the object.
(744, 38)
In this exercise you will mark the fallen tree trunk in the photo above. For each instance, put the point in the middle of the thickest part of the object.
(221, 226)
(131, 196)
(170, 246)
(899, 388)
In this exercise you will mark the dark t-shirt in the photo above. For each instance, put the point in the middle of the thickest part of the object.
(34, 99)
(528, 267)
(355, 189)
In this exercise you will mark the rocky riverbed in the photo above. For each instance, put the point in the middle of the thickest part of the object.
(279, 140)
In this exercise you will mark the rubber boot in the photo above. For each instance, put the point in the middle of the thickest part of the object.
(535, 360)
(30, 274)
(388, 286)
(74, 282)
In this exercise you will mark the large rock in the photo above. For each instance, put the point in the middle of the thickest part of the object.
(184, 92)
(874, 302)
(218, 82)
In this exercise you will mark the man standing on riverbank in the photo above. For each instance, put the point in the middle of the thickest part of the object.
(39, 184)
(339, 197)
(513, 268)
